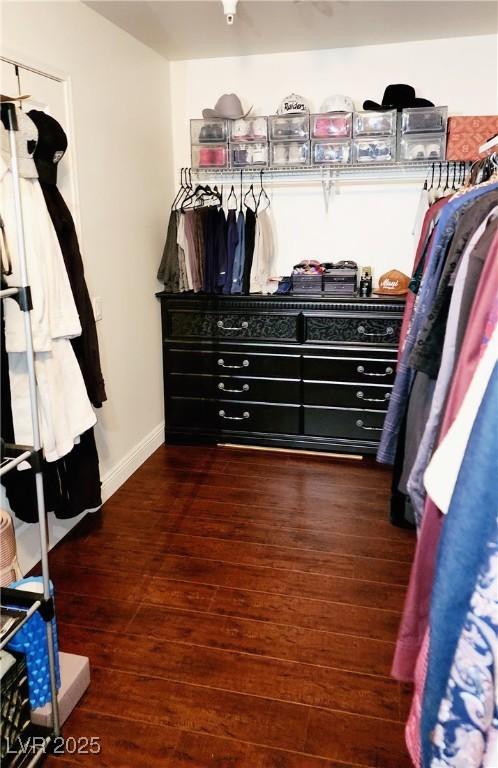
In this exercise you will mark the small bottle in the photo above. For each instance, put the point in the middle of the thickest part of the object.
(366, 282)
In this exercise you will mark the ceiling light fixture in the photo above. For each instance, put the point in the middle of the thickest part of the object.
(230, 9)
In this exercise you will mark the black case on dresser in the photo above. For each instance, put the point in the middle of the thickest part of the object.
(298, 372)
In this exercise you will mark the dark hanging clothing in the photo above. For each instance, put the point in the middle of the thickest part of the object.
(232, 241)
(250, 231)
(211, 252)
(198, 234)
(169, 270)
(86, 346)
(221, 251)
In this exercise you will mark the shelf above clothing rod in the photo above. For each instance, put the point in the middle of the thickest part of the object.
(390, 172)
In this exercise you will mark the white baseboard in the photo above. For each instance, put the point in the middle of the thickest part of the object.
(27, 535)
(120, 473)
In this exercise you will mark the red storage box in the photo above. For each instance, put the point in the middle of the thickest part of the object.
(466, 134)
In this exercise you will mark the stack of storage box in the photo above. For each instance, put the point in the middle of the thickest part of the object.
(209, 143)
(374, 137)
(249, 142)
(423, 133)
(289, 140)
(331, 138)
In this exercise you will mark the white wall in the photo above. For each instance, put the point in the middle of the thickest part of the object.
(370, 224)
(120, 97)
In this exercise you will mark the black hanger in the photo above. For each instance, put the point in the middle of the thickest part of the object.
(250, 191)
(232, 194)
(447, 182)
(440, 172)
(454, 177)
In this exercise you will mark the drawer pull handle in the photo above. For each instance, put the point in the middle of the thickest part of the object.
(245, 388)
(388, 332)
(361, 424)
(245, 415)
(361, 396)
(243, 326)
(221, 362)
(389, 371)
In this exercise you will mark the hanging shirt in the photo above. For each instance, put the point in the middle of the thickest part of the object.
(263, 255)
(442, 237)
(239, 256)
(169, 270)
(194, 256)
(415, 485)
(232, 242)
(185, 246)
(221, 251)
(54, 314)
(468, 529)
(250, 232)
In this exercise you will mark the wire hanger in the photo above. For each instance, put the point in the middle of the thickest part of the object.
(180, 190)
(262, 192)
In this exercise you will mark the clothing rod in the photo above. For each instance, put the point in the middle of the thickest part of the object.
(396, 173)
(15, 63)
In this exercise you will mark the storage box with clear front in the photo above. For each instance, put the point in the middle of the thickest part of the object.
(211, 131)
(249, 154)
(331, 152)
(424, 120)
(334, 125)
(249, 129)
(370, 123)
(374, 150)
(210, 156)
(289, 153)
(289, 127)
(423, 146)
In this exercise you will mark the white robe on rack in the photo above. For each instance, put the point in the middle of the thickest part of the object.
(65, 410)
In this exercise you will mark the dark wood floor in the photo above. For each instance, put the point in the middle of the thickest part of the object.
(239, 609)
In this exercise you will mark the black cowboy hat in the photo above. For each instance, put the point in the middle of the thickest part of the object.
(398, 97)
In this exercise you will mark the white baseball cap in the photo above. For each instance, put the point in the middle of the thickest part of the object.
(293, 105)
(337, 103)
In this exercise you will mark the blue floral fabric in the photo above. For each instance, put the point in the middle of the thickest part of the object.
(466, 733)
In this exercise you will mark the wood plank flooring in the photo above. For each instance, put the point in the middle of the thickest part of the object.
(239, 609)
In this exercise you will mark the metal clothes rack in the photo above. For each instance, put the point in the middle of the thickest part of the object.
(12, 455)
(400, 172)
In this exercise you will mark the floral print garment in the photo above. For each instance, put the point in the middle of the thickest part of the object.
(466, 735)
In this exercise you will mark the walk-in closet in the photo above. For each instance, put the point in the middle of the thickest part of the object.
(249, 383)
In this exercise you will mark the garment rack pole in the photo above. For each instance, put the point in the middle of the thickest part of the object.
(40, 498)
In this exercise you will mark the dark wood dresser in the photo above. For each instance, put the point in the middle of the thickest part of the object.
(297, 372)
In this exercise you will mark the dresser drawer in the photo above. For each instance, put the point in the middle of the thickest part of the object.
(367, 330)
(359, 369)
(234, 388)
(225, 415)
(233, 325)
(332, 393)
(233, 363)
(343, 423)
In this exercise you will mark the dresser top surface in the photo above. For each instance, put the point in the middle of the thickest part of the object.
(301, 299)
